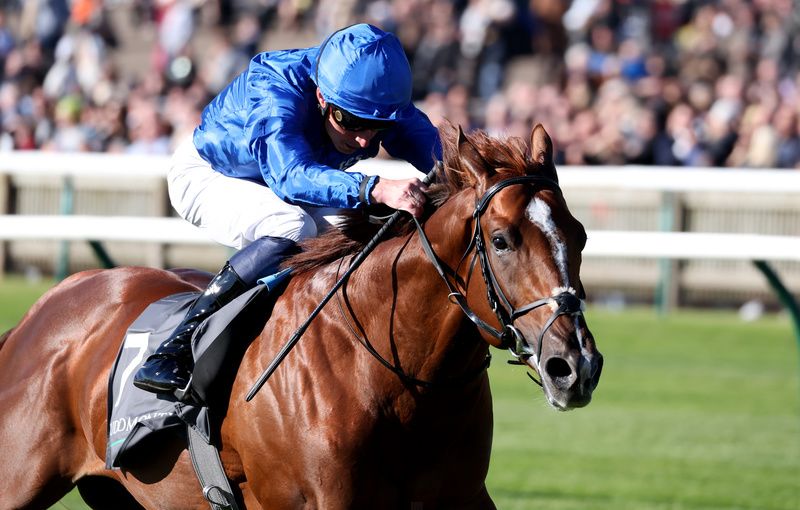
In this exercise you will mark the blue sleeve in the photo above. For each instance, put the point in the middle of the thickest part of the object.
(277, 142)
(415, 140)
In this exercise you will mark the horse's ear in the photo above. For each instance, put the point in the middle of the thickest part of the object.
(542, 151)
(473, 167)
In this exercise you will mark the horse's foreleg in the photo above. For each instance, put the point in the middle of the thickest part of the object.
(105, 493)
(35, 452)
(39, 497)
(42, 450)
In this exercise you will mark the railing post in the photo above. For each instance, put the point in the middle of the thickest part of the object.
(784, 296)
(668, 286)
(162, 208)
(67, 208)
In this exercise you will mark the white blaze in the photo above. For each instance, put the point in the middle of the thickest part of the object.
(539, 213)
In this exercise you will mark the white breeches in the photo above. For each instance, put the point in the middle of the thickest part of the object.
(235, 212)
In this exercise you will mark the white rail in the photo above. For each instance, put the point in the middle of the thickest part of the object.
(100, 228)
(621, 177)
(691, 245)
(601, 243)
(674, 245)
(681, 179)
(77, 164)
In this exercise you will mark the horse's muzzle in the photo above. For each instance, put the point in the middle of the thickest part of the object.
(569, 379)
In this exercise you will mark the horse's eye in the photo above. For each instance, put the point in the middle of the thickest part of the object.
(499, 243)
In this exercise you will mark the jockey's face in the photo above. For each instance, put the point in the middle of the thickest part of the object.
(344, 140)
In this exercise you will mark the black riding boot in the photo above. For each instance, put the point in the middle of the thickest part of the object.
(170, 366)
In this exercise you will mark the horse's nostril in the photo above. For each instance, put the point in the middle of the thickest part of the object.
(558, 369)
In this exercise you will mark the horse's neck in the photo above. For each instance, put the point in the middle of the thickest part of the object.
(404, 306)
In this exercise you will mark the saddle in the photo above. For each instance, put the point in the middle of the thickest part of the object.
(138, 419)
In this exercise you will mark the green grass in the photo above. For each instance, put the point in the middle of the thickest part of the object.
(695, 411)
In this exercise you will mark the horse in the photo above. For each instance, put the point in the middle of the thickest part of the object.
(385, 403)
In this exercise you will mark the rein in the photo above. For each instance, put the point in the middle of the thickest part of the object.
(567, 303)
(452, 381)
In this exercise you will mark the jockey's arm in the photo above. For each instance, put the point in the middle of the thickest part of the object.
(417, 141)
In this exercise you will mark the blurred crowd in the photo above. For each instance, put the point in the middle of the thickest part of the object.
(661, 82)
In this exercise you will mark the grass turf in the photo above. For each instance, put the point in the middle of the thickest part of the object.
(696, 410)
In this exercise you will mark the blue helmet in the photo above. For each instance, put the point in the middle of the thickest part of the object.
(364, 70)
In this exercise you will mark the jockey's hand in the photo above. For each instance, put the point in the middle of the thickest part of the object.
(403, 194)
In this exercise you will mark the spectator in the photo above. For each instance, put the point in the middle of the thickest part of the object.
(146, 130)
(787, 154)
(7, 43)
(436, 52)
(69, 135)
(711, 82)
(44, 21)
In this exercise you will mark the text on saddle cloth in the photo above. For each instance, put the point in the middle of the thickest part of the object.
(135, 415)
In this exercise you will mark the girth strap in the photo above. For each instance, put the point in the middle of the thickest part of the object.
(208, 467)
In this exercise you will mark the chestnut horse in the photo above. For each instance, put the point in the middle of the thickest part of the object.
(385, 403)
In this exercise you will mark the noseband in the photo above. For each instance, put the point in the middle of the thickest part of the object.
(566, 302)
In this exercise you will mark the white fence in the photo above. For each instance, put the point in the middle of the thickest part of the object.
(671, 231)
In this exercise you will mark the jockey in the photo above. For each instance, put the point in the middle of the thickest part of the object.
(270, 154)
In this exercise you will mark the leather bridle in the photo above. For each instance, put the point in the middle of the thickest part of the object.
(566, 301)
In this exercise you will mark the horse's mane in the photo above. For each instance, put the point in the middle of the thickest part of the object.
(509, 156)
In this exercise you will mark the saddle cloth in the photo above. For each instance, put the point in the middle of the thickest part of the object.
(137, 417)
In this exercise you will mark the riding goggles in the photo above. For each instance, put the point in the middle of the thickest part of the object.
(351, 122)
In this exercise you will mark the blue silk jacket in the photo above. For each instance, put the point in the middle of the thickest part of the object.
(266, 127)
